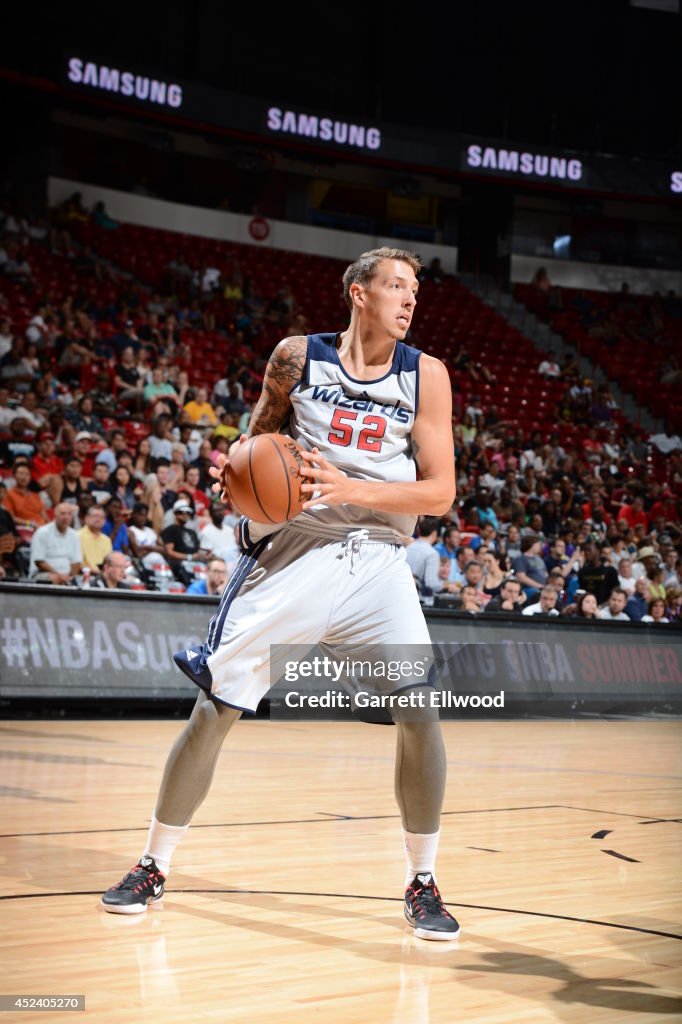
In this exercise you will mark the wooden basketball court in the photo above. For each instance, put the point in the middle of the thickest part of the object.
(560, 856)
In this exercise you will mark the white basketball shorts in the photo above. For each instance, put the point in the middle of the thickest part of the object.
(294, 588)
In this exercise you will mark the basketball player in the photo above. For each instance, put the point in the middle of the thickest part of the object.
(370, 411)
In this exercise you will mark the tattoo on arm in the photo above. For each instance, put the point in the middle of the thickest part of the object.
(284, 370)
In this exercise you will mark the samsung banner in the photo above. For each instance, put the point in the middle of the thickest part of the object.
(327, 130)
(69, 644)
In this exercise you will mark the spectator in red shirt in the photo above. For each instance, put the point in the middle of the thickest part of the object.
(45, 463)
(634, 515)
(596, 504)
(192, 487)
(667, 507)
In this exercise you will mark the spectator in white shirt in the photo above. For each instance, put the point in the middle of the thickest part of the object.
(218, 536)
(144, 542)
(549, 368)
(614, 609)
(56, 549)
(626, 577)
(546, 605)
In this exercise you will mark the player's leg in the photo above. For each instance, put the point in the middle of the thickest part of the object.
(260, 606)
(420, 775)
(191, 763)
(385, 613)
(186, 781)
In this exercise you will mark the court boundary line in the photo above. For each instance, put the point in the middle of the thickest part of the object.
(332, 816)
(329, 816)
(355, 896)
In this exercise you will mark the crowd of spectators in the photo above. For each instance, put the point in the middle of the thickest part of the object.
(574, 572)
(106, 439)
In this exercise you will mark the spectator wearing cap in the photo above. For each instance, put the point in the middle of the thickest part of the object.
(82, 448)
(181, 542)
(55, 549)
(546, 605)
(647, 561)
(529, 567)
(46, 464)
(23, 501)
(214, 582)
(113, 571)
(95, 545)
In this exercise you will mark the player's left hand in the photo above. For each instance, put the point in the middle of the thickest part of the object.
(330, 485)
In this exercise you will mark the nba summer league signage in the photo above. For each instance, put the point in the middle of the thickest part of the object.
(273, 122)
(113, 645)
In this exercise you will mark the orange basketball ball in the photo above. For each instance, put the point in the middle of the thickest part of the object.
(264, 480)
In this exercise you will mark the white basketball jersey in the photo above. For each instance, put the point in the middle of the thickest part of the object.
(362, 426)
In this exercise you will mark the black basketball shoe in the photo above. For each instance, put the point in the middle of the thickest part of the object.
(425, 910)
(142, 885)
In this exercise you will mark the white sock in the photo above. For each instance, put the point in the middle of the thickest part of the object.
(421, 851)
(161, 843)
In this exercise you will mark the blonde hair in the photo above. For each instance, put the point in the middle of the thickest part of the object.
(365, 267)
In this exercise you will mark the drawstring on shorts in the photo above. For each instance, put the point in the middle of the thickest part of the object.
(352, 546)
